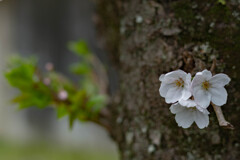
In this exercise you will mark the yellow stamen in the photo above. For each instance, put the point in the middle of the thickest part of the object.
(193, 109)
(206, 85)
(179, 82)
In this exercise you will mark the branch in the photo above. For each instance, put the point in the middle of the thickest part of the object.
(213, 66)
(218, 110)
(221, 119)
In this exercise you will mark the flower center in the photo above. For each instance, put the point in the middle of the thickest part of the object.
(193, 109)
(206, 85)
(179, 82)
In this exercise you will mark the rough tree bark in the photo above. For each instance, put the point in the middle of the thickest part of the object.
(148, 38)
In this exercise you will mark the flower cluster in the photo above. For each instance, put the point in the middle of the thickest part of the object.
(191, 97)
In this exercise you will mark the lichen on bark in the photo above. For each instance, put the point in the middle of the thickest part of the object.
(214, 23)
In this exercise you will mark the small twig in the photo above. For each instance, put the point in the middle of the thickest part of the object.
(218, 110)
(221, 119)
(213, 66)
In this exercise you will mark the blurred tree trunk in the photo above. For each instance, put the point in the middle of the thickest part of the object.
(148, 38)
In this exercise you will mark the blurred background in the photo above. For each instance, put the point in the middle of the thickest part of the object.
(44, 28)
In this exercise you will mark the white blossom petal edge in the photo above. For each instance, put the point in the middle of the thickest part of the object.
(185, 116)
(207, 88)
(175, 86)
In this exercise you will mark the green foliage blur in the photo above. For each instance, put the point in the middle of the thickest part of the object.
(82, 101)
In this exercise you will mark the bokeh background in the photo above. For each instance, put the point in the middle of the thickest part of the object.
(44, 28)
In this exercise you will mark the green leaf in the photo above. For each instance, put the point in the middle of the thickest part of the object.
(96, 102)
(80, 68)
(89, 86)
(72, 118)
(79, 96)
(20, 73)
(61, 111)
(80, 48)
(36, 99)
(83, 117)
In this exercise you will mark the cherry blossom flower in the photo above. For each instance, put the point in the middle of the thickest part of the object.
(207, 88)
(189, 113)
(191, 99)
(175, 86)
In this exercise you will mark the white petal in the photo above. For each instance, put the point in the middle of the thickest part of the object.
(201, 119)
(219, 80)
(188, 78)
(164, 89)
(186, 94)
(161, 78)
(199, 73)
(201, 97)
(197, 81)
(185, 118)
(219, 96)
(169, 79)
(187, 103)
(173, 94)
(174, 75)
(207, 74)
(187, 87)
(203, 110)
(177, 73)
(196, 88)
(175, 108)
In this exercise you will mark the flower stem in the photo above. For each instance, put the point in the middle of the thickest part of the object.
(221, 119)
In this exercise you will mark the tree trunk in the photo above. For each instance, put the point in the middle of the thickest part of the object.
(148, 38)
